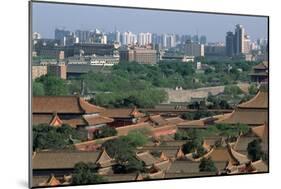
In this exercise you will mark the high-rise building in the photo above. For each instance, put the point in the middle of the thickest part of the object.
(229, 44)
(128, 38)
(117, 37)
(193, 49)
(164, 40)
(171, 41)
(203, 39)
(60, 34)
(70, 39)
(83, 35)
(98, 37)
(247, 44)
(144, 38)
(195, 39)
(239, 39)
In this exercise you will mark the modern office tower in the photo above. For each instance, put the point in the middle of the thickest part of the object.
(185, 38)
(70, 39)
(128, 38)
(83, 35)
(117, 37)
(97, 36)
(144, 38)
(111, 37)
(60, 34)
(214, 49)
(203, 39)
(230, 44)
(195, 39)
(193, 49)
(155, 39)
(171, 41)
(164, 40)
(247, 44)
(239, 39)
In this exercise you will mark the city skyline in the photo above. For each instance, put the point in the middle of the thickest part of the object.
(214, 26)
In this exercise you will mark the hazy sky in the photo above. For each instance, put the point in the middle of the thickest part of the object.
(47, 17)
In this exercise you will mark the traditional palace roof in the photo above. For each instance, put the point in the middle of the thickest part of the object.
(122, 113)
(157, 120)
(126, 129)
(62, 159)
(71, 110)
(262, 65)
(147, 158)
(259, 101)
(227, 154)
(52, 181)
(260, 166)
(104, 160)
(63, 104)
(96, 119)
(252, 112)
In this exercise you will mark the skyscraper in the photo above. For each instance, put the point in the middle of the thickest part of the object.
(144, 38)
(128, 38)
(171, 41)
(239, 39)
(203, 39)
(83, 35)
(60, 34)
(229, 44)
(117, 37)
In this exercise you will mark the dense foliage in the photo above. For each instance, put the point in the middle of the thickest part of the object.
(49, 137)
(123, 150)
(49, 85)
(86, 173)
(226, 130)
(254, 150)
(207, 165)
(105, 131)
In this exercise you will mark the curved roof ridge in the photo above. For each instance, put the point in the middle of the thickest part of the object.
(241, 158)
(258, 101)
(88, 107)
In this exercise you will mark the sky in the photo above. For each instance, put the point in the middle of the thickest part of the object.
(46, 17)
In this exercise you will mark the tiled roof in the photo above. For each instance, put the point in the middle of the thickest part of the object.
(157, 175)
(246, 116)
(120, 177)
(122, 113)
(259, 131)
(104, 160)
(126, 129)
(186, 175)
(147, 158)
(227, 154)
(163, 165)
(174, 120)
(62, 159)
(41, 119)
(48, 118)
(157, 120)
(259, 101)
(62, 104)
(184, 167)
(260, 166)
(262, 65)
(96, 119)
